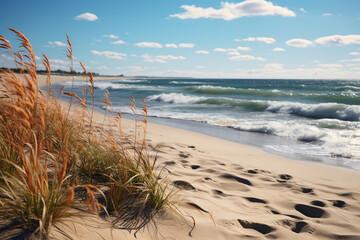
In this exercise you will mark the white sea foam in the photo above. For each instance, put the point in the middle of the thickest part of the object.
(114, 86)
(317, 111)
(176, 98)
(181, 82)
(213, 87)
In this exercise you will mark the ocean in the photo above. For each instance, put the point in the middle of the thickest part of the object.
(313, 120)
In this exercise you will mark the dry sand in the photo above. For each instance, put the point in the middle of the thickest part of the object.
(249, 193)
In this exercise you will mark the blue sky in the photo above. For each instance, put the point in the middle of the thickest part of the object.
(193, 38)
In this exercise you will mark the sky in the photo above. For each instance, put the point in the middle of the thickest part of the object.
(291, 39)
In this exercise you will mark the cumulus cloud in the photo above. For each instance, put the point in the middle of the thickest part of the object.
(230, 11)
(87, 16)
(240, 48)
(339, 40)
(111, 36)
(355, 53)
(161, 58)
(109, 54)
(186, 45)
(233, 53)
(171, 45)
(224, 49)
(57, 44)
(297, 42)
(118, 42)
(279, 49)
(246, 58)
(267, 40)
(148, 44)
(202, 52)
(330, 65)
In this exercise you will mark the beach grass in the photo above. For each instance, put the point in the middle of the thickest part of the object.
(52, 165)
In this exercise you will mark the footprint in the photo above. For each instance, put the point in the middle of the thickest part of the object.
(306, 190)
(318, 203)
(240, 180)
(255, 200)
(261, 228)
(294, 226)
(183, 185)
(170, 163)
(252, 171)
(338, 203)
(310, 211)
(218, 192)
(191, 146)
(195, 166)
(285, 177)
(184, 155)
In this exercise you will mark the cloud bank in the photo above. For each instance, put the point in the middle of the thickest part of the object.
(230, 11)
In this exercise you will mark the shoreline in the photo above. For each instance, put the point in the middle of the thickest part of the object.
(250, 194)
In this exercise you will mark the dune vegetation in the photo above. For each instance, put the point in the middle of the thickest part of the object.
(54, 165)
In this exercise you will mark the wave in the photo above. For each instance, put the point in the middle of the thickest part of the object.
(176, 98)
(181, 82)
(317, 111)
(313, 111)
(218, 90)
(116, 86)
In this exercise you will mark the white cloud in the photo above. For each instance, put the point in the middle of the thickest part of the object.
(161, 58)
(202, 52)
(351, 60)
(118, 42)
(240, 48)
(111, 36)
(230, 11)
(330, 65)
(246, 58)
(171, 45)
(186, 45)
(339, 40)
(110, 55)
(267, 40)
(297, 42)
(278, 49)
(302, 10)
(58, 44)
(155, 60)
(327, 14)
(148, 44)
(233, 53)
(355, 53)
(87, 16)
(200, 67)
(223, 50)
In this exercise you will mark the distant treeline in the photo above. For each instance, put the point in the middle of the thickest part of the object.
(55, 72)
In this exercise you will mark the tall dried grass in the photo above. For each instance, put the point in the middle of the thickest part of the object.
(46, 157)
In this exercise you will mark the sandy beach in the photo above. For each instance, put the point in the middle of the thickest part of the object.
(242, 192)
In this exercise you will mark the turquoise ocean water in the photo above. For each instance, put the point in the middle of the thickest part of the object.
(313, 119)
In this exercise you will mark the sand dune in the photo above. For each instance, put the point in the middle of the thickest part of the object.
(243, 193)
